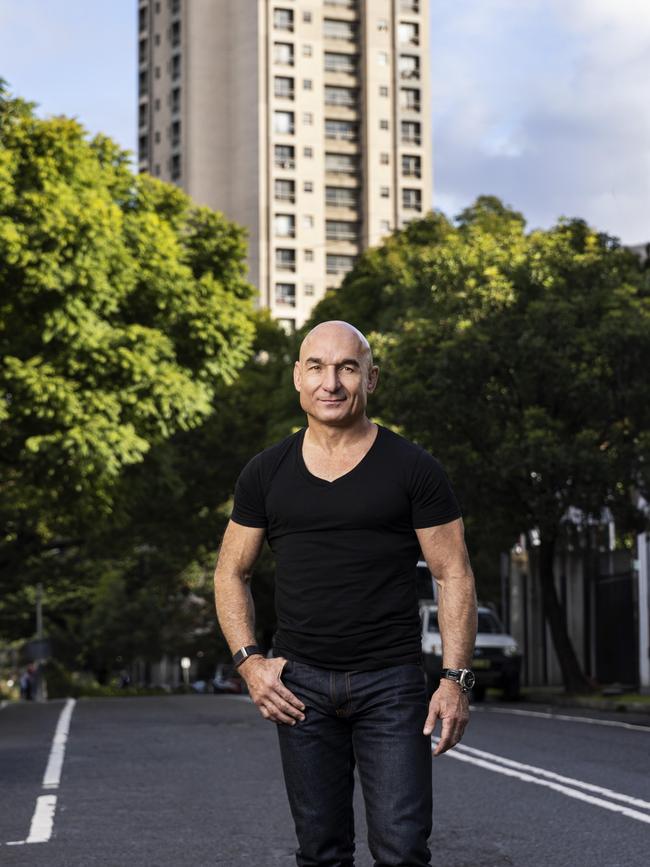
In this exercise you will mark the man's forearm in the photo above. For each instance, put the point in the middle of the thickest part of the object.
(235, 609)
(457, 620)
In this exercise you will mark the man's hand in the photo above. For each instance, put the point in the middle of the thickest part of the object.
(274, 701)
(451, 705)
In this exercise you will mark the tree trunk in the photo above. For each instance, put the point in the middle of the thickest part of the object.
(572, 674)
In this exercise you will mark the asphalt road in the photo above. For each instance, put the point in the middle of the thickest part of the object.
(195, 781)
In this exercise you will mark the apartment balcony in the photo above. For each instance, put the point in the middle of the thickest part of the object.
(284, 164)
(410, 6)
(285, 197)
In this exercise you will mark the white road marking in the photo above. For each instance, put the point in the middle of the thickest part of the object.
(42, 824)
(42, 820)
(52, 775)
(565, 717)
(501, 768)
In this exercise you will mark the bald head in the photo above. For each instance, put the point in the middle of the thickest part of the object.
(336, 330)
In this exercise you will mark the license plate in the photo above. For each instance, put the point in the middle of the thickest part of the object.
(480, 663)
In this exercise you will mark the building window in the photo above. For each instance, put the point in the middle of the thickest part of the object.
(411, 166)
(175, 7)
(284, 156)
(156, 137)
(283, 53)
(143, 146)
(308, 152)
(284, 191)
(383, 124)
(384, 159)
(307, 84)
(409, 99)
(409, 66)
(142, 19)
(335, 29)
(308, 221)
(142, 51)
(156, 170)
(341, 63)
(176, 66)
(345, 96)
(306, 17)
(284, 226)
(142, 114)
(384, 192)
(176, 100)
(156, 39)
(287, 325)
(309, 255)
(176, 167)
(341, 129)
(382, 58)
(338, 264)
(283, 122)
(156, 105)
(409, 6)
(143, 81)
(175, 33)
(309, 289)
(411, 200)
(285, 294)
(283, 87)
(157, 7)
(409, 33)
(306, 50)
(285, 260)
(383, 90)
(411, 132)
(382, 25)
(176, 133)
(156, 72)
(343, 163)
(341, 230)
(384, 226)
(341, 197)
(307, 118)
(283, 19)
(308, 186)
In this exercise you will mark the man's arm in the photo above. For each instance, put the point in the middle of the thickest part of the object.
(240, 549)
(444, 550)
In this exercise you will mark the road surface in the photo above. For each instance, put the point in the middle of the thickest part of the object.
(190, 781)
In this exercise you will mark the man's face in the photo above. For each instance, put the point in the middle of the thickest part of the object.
(334, 375)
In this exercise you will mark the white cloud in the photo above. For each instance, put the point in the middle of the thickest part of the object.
(544, 104)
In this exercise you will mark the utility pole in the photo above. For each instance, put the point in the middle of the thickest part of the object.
(643, 568)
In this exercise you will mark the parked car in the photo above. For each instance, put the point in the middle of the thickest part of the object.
(227, 680)
(496, 661)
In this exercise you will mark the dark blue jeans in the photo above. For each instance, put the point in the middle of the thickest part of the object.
(374, 720)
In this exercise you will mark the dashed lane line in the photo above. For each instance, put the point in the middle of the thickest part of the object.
(42, 823)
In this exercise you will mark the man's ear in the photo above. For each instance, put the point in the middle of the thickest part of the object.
(297, 376)
(373, 376)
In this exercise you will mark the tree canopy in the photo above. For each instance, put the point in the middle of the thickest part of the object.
(521, 361)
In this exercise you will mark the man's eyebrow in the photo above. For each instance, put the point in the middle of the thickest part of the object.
(351, 361)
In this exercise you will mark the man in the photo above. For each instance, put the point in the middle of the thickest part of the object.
(346, 506)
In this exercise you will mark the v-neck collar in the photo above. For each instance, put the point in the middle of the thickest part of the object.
(302, 466)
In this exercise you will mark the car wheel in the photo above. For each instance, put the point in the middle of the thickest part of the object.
(511, 689)
(478, 693)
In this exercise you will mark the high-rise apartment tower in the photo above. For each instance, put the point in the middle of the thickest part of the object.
(307, 121)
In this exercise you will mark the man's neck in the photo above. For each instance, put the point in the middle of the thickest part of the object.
(330, 438)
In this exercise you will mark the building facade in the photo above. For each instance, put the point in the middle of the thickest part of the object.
(307, 121)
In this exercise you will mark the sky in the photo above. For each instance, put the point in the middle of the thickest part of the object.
(544, 103)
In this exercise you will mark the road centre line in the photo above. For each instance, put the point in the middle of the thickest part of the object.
(564, 717)
(551, 784)
(42, 823)
(52, 776)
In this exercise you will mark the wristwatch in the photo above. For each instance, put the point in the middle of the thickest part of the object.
(464, 677)
(244, 652)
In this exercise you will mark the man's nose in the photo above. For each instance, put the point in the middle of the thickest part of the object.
(331, 381)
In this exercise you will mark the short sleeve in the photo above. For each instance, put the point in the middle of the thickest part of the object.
(432, 498)
(249, 508)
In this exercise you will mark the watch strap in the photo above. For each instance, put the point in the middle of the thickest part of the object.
(244, 652)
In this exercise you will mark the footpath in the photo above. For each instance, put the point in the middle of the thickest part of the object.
(609, 699)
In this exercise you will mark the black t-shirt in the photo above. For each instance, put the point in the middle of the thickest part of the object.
(346, 550)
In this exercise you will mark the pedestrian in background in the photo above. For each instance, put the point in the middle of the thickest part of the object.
(346, 506)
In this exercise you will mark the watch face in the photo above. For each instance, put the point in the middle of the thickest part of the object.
(469, 679)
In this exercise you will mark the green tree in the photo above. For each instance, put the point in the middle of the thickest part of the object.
(520, 360)
(124, 314)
